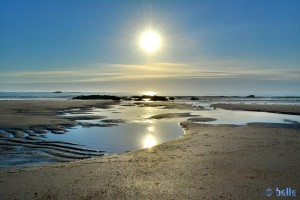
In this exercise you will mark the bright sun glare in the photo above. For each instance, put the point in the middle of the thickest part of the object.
(149, 141)
(150, 41)
(150, 93)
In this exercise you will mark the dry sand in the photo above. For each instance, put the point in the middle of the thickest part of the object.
(208, 162)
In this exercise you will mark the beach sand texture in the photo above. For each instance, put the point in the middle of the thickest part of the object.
(208, 162)
(284, 109)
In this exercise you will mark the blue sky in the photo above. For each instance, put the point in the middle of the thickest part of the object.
(207, 46)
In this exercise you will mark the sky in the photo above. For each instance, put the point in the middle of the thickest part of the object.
(208, 47)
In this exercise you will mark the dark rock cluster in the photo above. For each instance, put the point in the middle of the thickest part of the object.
(97, 97)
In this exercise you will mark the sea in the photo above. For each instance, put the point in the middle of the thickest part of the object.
(204, 99)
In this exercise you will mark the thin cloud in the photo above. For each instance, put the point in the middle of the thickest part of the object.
(116, 72)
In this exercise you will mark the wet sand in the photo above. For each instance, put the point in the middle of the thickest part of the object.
(283, 109)
(24, 125)
(208, 162)
(24, 114)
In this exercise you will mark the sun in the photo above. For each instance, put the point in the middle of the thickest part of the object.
(149, 93)
(150, 41)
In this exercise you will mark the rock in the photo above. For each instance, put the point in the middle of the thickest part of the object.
(159, 98)
(95, 97)
(202, 119)
(89, 125)
(84, 117)
(113, 121)
(148, 97)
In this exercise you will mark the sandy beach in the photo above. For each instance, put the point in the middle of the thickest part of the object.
(208, 162)
(146, 100)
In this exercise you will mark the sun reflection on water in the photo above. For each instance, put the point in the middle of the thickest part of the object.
(151, 128)
(149, 141)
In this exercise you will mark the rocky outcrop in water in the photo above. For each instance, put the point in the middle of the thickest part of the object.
(150, 98)
(98, 97)
(202, 119)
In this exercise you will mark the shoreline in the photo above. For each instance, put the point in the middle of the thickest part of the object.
(275, 108)
(207, 162)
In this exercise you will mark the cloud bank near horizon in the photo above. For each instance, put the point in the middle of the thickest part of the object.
(127, 72)
(214, 78)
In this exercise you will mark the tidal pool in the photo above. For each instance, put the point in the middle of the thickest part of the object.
(245, 117)
(137, 133)
(141, 132)
(124, 137)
